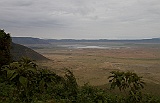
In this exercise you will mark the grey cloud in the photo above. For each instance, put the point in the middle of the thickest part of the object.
(23, 3)
(87, 18)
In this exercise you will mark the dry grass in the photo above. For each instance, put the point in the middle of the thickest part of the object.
(94, 65)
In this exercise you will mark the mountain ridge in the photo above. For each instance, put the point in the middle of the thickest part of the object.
(28, 40)
(31, 40)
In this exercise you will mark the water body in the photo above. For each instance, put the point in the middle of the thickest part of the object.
(78, 46)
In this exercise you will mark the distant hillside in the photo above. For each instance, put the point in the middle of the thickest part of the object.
(18, 51)
(153, 40)
(28, 40)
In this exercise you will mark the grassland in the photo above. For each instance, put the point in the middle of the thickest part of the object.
(93, 66)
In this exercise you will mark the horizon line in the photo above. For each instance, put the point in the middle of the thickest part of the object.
(83, 38)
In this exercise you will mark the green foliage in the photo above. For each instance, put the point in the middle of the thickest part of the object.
(6, 92)
(89, 94)
(124, 80)
(30, 83)
(26, 83)
(128, 80)
(22, 75)
(70, 85)
(5, 45)
(147, 98)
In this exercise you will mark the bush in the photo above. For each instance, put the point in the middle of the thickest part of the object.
(26, 83)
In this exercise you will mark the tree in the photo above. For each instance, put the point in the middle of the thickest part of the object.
(128, 80)
(5, 45)
(22, 75)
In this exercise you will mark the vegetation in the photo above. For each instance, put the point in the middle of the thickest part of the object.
(24, 82)
(128, 80)
(5, 45)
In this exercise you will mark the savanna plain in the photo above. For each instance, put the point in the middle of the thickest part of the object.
(92, 64)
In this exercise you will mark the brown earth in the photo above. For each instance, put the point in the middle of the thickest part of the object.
(93, 66)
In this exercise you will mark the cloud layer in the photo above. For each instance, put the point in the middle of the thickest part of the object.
(87, 19)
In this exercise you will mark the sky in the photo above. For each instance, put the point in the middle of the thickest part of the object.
(81, 19)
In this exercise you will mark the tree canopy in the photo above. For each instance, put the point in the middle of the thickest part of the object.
(5, 45)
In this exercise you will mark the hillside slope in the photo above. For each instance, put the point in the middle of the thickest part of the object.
(18, 51)
(29, 40)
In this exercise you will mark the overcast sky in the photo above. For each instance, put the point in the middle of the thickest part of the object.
(81, 19)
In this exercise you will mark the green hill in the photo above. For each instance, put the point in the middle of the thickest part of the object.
(18, 51)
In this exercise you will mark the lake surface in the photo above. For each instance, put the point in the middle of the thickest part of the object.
(78, 46)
